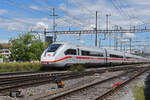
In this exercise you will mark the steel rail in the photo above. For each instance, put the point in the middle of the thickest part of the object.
(13, 83)
(62, 95)
(114, 90)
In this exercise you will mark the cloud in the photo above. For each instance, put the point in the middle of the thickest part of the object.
(40, 26)
(4, 41)
(2, 11)
(89, 27)
(129, 35)
(34, 7)
(81, 14)
(123, 13)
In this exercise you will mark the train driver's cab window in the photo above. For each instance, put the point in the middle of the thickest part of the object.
(70, 52)
(53, 47)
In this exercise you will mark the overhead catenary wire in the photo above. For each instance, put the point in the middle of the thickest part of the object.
(78, 21)
(45, 6)
(25, 7)
(117, 4)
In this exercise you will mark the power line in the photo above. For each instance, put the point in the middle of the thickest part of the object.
(118, 3)
(25, 7)
(62, 10)
(131, 11)
(17, 20)
(79, 3)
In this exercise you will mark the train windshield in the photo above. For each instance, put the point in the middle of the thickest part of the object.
(53, 47)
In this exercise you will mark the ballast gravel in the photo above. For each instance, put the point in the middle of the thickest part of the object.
(126, 93)
(38, 91)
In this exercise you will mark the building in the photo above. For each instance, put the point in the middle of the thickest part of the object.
(4, 49)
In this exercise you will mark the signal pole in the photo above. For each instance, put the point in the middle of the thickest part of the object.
(130, 44)
(54, 17)
(107, 28)
(96, 30)
(107, 15)
(45, 38)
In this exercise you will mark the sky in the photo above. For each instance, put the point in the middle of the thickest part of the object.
(21, 16)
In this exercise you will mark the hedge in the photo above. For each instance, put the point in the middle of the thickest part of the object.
(23, 66)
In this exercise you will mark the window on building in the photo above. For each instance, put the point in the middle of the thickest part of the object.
(70, 52)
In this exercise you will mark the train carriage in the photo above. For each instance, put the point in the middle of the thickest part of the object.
(62, 54)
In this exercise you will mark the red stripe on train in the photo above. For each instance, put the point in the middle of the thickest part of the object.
(89, 58)
(68, 57)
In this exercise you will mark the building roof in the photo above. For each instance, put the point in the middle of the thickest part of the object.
(5, 45)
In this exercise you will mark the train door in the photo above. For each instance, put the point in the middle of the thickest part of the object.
(78, 61)
(71, 53)
(106, 57)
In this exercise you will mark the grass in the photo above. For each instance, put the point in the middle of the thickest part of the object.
(77, 68)
(24, 66)
(139, 93)
(30, 94)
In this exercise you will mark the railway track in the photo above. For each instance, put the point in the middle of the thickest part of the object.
(19, 73)
(96, 90)
(32, 72)
(8, 84)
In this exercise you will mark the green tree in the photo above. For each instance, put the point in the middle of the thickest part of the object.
(3, 56)
(26, 48)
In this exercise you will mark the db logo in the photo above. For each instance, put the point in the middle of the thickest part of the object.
(48, 54)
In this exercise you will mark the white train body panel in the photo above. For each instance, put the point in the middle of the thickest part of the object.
(61, 54)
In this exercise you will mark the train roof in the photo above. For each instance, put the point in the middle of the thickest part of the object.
(77, 45)
(97, 48)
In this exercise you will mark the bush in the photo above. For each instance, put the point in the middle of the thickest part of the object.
(3, 57)
(24, 66)
(139, 93)
(77, 68)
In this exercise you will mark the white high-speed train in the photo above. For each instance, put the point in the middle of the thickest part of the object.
(62, 54)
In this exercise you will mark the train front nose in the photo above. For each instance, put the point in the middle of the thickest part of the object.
(48, 58)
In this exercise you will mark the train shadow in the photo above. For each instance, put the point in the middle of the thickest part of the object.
(147, 88)
(43, 68)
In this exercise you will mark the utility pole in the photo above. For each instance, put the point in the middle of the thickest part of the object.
(107, 28)
(66, 3)
(121, 42)
(45, 38)
(116, 42)
(96, 30)
(54, 17)
(130, 43)
(107, 22)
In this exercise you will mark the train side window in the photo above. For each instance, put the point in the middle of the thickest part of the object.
(96, 54)
(129, 57)
(70, 52)
(115, 56)
(85, 53)
(78, 51)
(91, 53)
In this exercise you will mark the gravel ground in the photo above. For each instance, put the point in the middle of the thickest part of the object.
(126, 93)
(41, 90)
